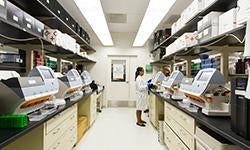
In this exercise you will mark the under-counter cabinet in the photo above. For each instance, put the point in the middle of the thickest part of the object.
(156, 109)
(181, 126)
(58, 133)
(205, 141)
(88, 108)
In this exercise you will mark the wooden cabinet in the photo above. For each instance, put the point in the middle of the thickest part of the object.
(58, 133)
(88, 108)
(156, 109)
(181, 124)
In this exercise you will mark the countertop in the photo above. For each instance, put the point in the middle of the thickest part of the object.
(9, 135)
(220, 125)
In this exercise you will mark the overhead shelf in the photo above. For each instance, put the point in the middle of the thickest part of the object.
(203, 47)
(41, 12)
(191, 26)
(10, 31)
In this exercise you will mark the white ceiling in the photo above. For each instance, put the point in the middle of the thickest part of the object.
(134, 9)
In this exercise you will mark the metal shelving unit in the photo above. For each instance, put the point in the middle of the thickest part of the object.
(41, 12)
(191, 25)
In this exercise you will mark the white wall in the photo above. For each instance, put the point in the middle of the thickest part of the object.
(123, 46)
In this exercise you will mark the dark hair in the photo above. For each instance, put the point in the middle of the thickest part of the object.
(138, 70)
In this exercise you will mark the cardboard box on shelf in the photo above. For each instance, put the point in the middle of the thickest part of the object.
(243, 11)
(228, 21)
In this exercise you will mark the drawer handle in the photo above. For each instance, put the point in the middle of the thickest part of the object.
(58, 129)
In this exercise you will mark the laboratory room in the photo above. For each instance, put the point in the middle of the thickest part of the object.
(124, 74)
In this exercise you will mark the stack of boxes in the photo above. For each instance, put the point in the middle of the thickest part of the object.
(60, 39)
(209, 26)
(243, 13)
(228, 21)
(192, 10)
(186, 40)
(21, 19)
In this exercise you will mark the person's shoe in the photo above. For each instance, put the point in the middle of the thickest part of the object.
(141, 124)
(144, 122)
(146, 111)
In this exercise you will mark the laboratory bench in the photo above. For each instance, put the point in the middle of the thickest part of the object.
(182, 126)
(43, 134)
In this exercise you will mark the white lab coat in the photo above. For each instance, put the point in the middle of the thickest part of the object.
(141, 93)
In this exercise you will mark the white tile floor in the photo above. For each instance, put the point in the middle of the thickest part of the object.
(115, 129)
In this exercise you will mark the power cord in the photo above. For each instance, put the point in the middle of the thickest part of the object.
(23, 40)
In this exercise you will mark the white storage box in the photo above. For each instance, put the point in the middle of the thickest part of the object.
(227, 21)
(173, 28)
(243, 11)
(208, 33)
(204, 141)
(211, 19)
(54, 36)
(187, 40)
(194, 8)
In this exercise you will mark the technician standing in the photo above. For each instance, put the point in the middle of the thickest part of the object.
(141, 95)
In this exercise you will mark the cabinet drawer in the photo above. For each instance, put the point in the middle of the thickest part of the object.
(186, 137)
(168, 137)
(58, 119)
(169, 109)
(185, 120)
(58, 132)
(171, 140)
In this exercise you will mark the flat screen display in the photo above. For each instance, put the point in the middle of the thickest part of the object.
(205, 76)
(47, 74)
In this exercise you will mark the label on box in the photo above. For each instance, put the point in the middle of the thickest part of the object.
(32, 81)
(29, 26)
(15, 18)
(28, 19)
(2, 3)
(206, 32)
(39, 30)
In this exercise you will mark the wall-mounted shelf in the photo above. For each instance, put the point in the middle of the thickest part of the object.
(11, 30)
(191, 26)
(41, 12)
(203, 47)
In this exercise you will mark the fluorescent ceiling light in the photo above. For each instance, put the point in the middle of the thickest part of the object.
(93, 12)
(156, 11)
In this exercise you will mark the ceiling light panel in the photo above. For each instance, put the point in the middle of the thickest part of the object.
(93, 12)
(156, 11)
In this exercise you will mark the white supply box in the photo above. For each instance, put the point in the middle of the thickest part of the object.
(211, 19)
(243, 11)
(53, 36)
(228, 21)
(186, 40)
(194, 8)
(208, 33)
